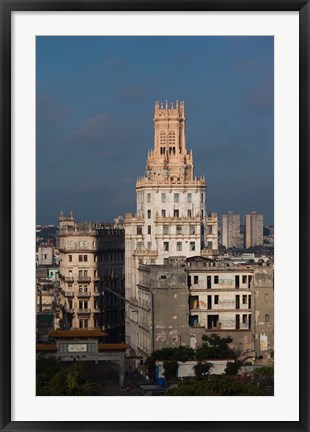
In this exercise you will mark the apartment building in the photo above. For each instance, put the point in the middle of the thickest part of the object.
(254, 228)
(230, 230)
(91, 276)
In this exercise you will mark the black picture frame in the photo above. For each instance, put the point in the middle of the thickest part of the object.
(7, 7)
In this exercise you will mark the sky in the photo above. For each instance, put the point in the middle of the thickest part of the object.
(95, 101)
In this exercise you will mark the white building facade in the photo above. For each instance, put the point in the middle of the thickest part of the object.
(170, 217)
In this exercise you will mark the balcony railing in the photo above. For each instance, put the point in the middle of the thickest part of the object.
(83, 279)
(83, 311)
(84, 294)
(69, 294)
(69, 279)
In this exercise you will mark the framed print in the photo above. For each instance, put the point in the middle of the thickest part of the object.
(180, 295)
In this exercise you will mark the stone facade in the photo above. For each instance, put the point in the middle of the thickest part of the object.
(92, 276)
(170, 217)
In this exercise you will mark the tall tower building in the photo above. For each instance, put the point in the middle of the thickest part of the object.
(170, 215)
(230, 230)
(254, 226)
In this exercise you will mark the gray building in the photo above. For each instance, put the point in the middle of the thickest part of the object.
(230, 230)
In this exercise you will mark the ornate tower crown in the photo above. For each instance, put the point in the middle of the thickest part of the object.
(169, 160)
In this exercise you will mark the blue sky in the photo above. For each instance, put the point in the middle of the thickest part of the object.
(95, 104)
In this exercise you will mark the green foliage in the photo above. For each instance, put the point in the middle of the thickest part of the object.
(170, 367)
(56, 380)
(202, 370)
(264, 371)
(221, 385)
(264, 379)
(215, 347)
(181, 353)
(232, 368)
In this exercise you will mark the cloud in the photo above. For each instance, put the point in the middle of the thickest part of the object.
(261, 97)
(134, 92)
(49, 111)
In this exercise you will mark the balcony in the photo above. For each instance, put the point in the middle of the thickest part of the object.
(69, 294)
(83, 311)
(68, 310)
(145, 252)
(84, 279)
(69, 279)
(84, 294)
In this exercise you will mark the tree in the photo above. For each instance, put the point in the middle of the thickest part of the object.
(232, 368)
(171, 367)
(264, 379)
(215, 347)
(202, 370)
(221, 385)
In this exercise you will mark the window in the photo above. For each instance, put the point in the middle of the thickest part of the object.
(85, 273)
(244, 319)
(189, 213)
(148, 198)
(176, 213)
(179, 246)
(149, 229)
(244, 279)
(216, 280)
(95, 273)
(202, 197)
(70, 258)
(85, 288)
(176, 197)
(201, 214)
(166, 246)
(80, 258)
(165, 229)
(163, 213)
(216, 299)
(189, 197)
(80, 288)
(95, 258)
(163, 277)
(149, 214)
(179, 229)
(139, 230)
(163, 197)
(85, 258)
(192, 229)
(244, 299)
(196, 280)
(149, 245)
(139, 245)
(70, 304)
(192, 246)
(267, 318)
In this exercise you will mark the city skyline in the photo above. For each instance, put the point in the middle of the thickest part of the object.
(95, 99)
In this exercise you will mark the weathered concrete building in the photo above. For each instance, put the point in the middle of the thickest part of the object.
(263, 293)
(183, 300)
(92, 276)
(170, 219)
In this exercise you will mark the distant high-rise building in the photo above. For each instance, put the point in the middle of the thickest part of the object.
(254, 226)
(230, 230)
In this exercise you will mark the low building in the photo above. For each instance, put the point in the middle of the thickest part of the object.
(187, 298)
